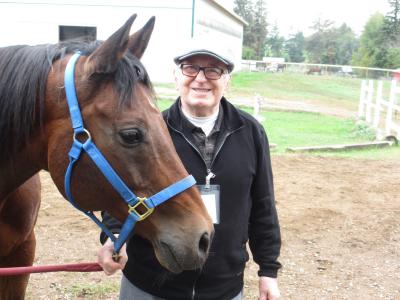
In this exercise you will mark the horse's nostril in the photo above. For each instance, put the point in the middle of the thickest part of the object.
(204, 242)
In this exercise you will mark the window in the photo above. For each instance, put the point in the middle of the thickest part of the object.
(77, 33)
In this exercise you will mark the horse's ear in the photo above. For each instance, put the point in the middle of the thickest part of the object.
(139, 40)
(105, 58)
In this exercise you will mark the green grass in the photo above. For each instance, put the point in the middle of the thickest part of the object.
(164, 104)
(288, 129)
(164, 85)
(332, 90)
(93, 291)
(298, 129)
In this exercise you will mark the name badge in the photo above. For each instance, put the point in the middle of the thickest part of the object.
(210, 195)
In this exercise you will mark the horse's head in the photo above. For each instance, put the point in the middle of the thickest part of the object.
(118, 109)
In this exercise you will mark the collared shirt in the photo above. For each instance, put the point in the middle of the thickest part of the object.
(205, 144)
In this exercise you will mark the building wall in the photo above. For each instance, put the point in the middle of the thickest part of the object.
(37, 22)
(218, 26)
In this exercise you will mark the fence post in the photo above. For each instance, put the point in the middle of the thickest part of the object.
(378, 104)
(389, 112)
(369, 100)
(362, 98)
(258, 99)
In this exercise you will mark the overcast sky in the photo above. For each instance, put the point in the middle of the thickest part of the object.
(292, 16)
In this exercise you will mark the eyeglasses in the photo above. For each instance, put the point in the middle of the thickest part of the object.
(212, 73)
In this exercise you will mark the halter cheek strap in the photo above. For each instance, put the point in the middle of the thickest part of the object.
(146, 205)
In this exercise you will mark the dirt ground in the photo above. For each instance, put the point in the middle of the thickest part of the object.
(340, 228)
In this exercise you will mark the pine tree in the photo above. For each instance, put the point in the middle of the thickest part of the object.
(274, 43)
(391, 27)
(295, 47)
(244, 8)
(260, 28)
(255, 33)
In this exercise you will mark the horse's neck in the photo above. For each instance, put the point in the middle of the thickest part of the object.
(16, 171)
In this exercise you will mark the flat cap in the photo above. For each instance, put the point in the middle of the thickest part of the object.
(219, 52)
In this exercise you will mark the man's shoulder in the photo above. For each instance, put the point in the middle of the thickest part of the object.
(165, 113)
(172, 109)
(243, 116)
(249, 119)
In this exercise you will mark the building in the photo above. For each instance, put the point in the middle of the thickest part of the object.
(177, 21)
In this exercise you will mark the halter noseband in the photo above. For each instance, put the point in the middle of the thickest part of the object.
(94, 153)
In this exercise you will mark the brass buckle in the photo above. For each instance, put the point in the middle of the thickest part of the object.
(141, 216)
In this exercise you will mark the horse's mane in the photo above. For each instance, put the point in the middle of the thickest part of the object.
(23, 76)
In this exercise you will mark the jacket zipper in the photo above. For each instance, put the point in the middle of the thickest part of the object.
(208, 171)
(194, 288)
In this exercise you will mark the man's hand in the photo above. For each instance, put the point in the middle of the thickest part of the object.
(105, 259)
(269, 288)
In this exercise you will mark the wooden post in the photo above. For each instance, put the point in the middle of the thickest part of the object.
(362, 98)
(257, 107)
(378, 104)
(369, 101)
(389, 112)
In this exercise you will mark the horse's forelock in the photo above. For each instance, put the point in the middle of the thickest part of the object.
(130, 71)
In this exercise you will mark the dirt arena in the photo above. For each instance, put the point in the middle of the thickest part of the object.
(340, 228)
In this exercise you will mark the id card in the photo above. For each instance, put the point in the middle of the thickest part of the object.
(210, 196)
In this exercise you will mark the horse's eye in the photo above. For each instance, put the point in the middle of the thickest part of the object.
(131, 136)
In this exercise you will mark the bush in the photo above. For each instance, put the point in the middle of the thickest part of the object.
(363, 130)
(249, 53)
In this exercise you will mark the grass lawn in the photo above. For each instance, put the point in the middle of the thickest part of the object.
(298, 129)
(332, 90)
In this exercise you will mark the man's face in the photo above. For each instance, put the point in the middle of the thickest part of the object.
(200, 96)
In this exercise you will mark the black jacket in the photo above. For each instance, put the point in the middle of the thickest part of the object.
(247, 213)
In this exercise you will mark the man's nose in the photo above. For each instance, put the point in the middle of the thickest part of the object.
(201, 76)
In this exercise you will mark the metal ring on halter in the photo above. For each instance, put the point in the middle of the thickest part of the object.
(116, 256)
(89, 137)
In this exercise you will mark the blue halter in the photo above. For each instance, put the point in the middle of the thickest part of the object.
(94, 153)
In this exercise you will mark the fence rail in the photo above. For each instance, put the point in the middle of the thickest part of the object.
(382, 114)
(340, 70)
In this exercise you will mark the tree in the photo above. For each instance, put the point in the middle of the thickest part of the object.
(372, 50)
(260, 28)
(244, 8)
(274, 44)
(346, 44)
(391, 26)
(380, 41)
(255, 33)
(248, 53)
(295, 47)
(330, 44)
(317, 45)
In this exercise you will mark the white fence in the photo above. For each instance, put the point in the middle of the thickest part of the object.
(321, 69)
(382, 114)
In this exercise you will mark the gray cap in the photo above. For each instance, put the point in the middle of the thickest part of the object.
(221, 54)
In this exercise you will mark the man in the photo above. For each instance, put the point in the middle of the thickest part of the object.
(227, 151)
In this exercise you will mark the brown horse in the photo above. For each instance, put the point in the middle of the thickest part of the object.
(314, 70)
(116, 100)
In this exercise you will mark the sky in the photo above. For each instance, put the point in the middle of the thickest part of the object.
(292, 16)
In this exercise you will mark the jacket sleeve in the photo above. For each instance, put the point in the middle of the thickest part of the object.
(264, 230)
(112, 224)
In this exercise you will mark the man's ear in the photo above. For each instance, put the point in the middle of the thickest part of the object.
(227, 81)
